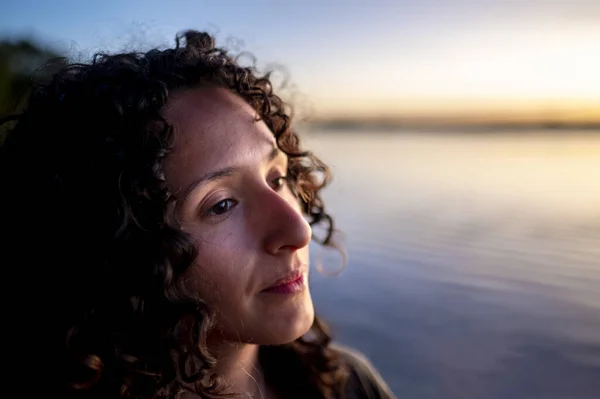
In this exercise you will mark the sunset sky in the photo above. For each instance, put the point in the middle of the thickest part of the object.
(522, 59)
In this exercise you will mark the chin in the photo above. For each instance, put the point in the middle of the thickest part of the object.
(289, 323)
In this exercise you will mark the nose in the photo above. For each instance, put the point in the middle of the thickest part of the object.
(285, 229)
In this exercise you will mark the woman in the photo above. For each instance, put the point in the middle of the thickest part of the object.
(167, 208)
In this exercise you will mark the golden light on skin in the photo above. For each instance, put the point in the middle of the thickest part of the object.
(529, 74)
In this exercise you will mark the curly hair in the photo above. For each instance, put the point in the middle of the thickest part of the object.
(89, 231)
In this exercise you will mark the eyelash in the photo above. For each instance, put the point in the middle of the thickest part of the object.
(212, 211)
(280, 182)
(277, 183)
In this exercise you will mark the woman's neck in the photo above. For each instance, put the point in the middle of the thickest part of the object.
(238, 366)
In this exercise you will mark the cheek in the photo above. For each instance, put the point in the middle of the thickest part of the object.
(292, 199)
(304, 254)
(218, 273)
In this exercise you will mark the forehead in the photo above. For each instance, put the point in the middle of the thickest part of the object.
(210, 113)
(213, 129)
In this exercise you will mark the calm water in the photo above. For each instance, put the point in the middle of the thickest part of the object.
(473, 261)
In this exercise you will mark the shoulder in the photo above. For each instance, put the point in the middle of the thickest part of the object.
(364, 381)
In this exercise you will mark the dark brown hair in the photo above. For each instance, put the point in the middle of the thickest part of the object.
(90, 238)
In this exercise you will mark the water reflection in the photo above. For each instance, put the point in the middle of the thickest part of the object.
(474, 261)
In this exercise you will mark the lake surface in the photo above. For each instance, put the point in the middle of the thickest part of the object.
(473, 260)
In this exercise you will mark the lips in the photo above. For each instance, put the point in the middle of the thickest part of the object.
(290, 279)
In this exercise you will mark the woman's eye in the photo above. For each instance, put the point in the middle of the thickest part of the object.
(279, 182)
(221, 207)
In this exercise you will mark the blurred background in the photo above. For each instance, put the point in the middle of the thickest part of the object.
(464, 138)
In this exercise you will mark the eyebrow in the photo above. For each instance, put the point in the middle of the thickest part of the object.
(225, 172)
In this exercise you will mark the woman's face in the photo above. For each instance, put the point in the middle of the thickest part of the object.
(252, 240)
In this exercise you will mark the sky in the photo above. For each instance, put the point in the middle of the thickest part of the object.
(520, 59)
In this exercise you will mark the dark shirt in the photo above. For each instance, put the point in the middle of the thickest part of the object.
(365, 382)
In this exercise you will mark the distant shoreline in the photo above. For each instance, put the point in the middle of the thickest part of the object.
(451, 127)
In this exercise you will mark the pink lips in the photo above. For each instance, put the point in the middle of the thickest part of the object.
(288, 285)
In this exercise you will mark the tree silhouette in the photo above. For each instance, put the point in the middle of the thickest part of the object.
(22, 63)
